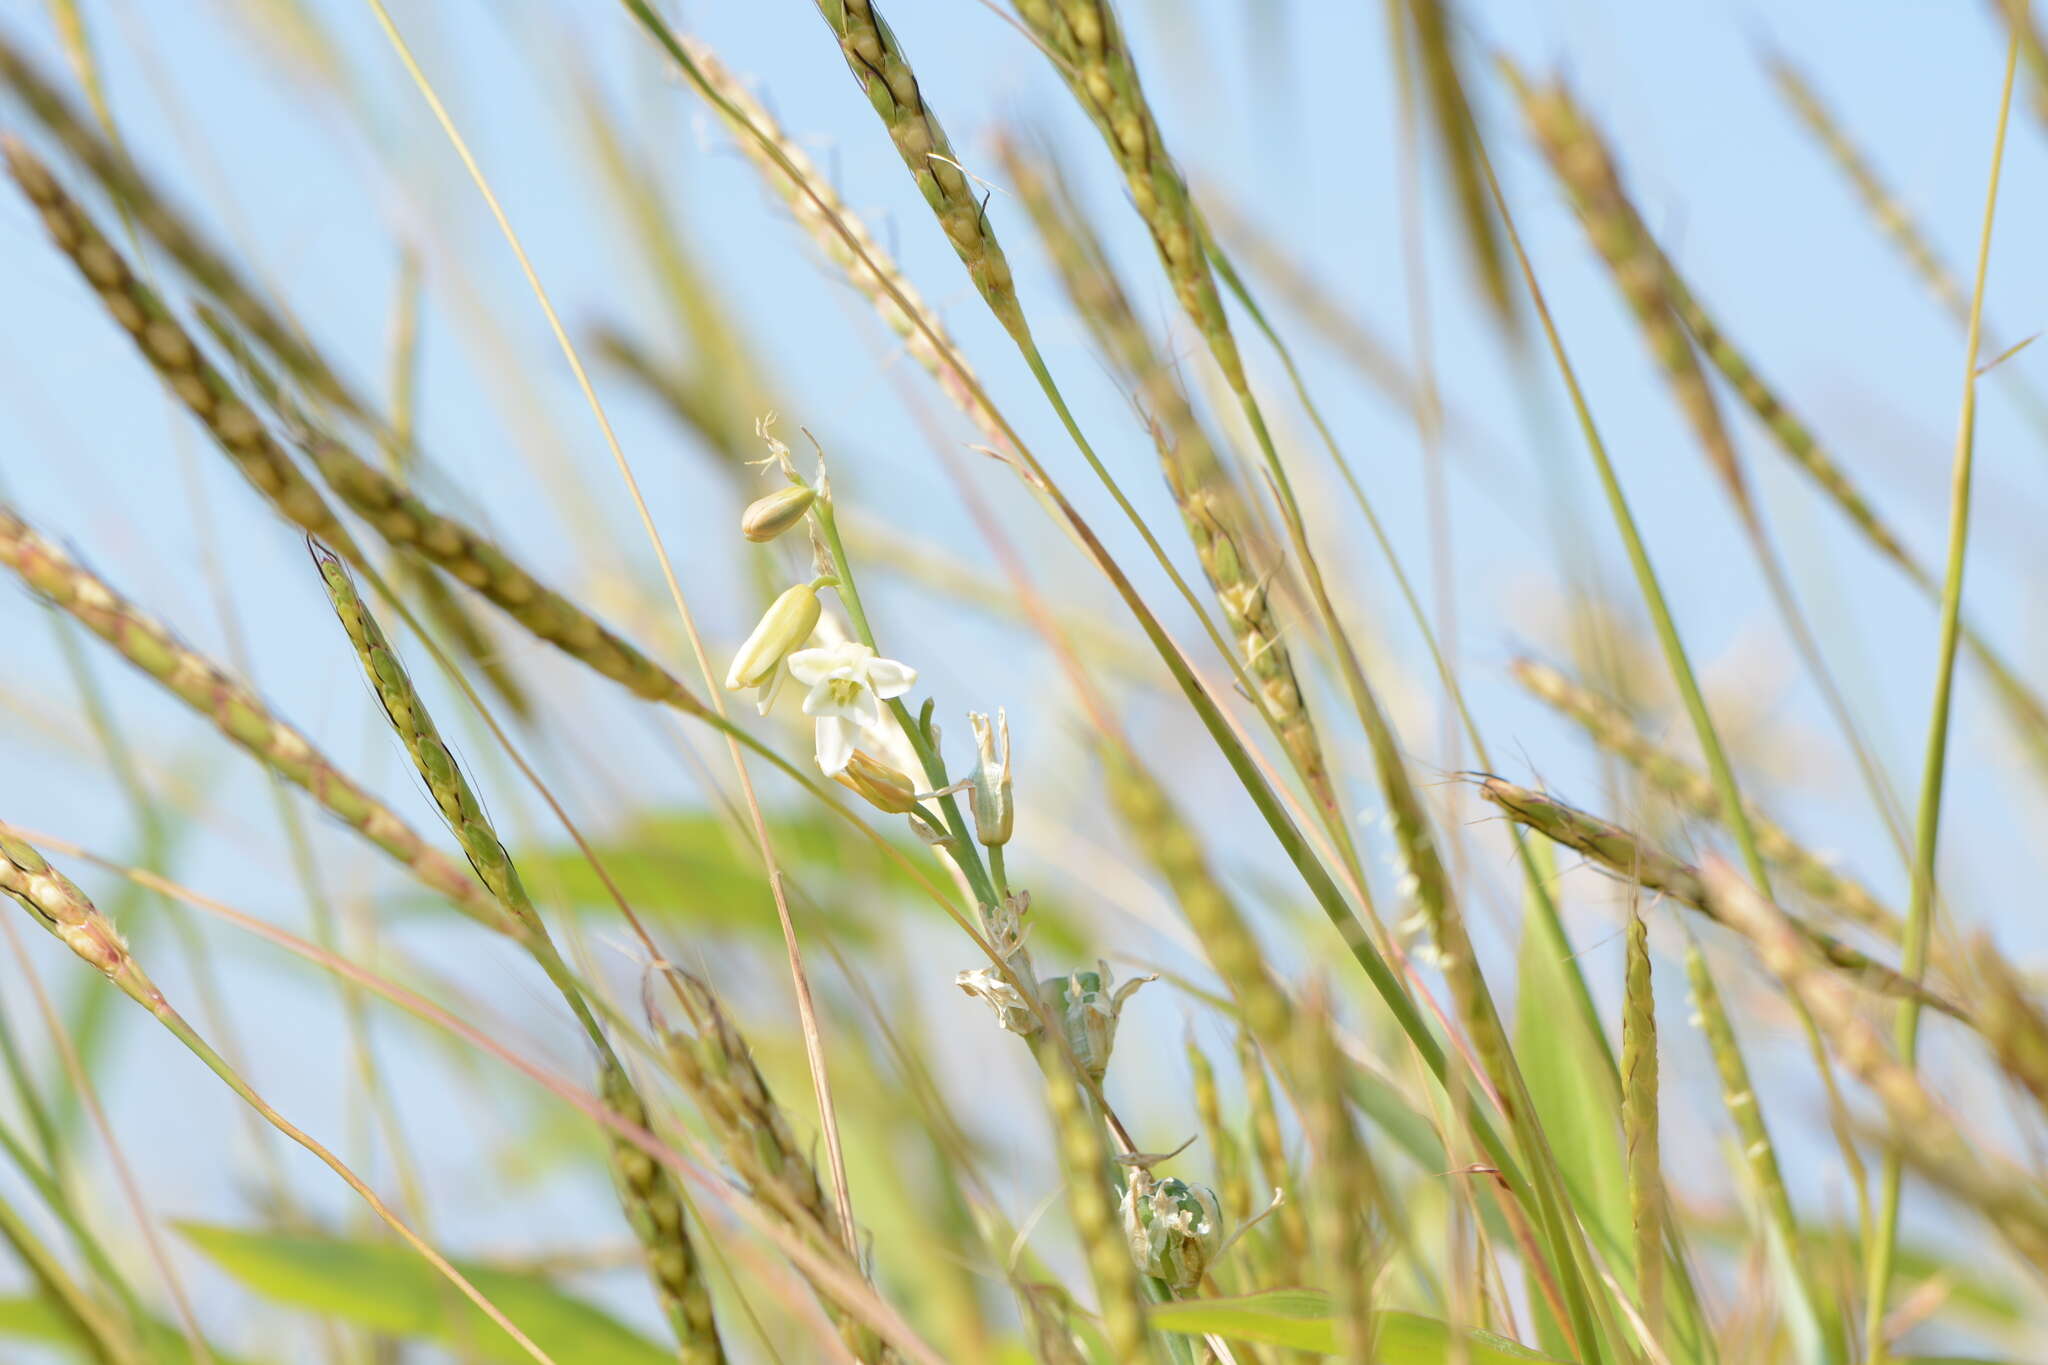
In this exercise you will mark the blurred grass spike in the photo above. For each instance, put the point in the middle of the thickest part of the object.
(1636, 862)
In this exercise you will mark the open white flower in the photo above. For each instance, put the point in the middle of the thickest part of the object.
(848, 682)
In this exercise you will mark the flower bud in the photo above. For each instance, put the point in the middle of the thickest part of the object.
(994, 812)
(768, 517)
(988, 985)
(1175, 1229)
(879, 784)
(1087, 1010)
(787, 623)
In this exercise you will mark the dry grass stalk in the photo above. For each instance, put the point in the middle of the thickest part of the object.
(1635, 861)
(234, 709)
(1609, 727)
(171, 351)
(404, 520)
(877, 62)
(204, 264)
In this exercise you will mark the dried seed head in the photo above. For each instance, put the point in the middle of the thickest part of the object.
(786, 624)
(988, 985)
(995, 813)
(768, 517)
(1087, 1008)
(1175, 1229)
(881, 785)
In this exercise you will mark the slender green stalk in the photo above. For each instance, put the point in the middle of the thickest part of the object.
(1927, 818)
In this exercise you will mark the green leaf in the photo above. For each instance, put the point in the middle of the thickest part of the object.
(33, 1319)
(1300, 1320)
(388, 1288)
(693, 867)
(1570, 1082)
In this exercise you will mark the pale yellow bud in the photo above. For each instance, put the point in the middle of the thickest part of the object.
(768, 517)
(880, 785)
(786, 624)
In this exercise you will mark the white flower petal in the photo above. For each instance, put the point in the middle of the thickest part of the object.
(835, 745)
(865, 709)
(818, 701)
(810, 666)
(765, 694)
(889, 678)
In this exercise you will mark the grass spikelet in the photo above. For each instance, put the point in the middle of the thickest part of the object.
(1739, 1097)
(404, 520)
(1923, 1129)
(234, 709)
(1289, 1241)
(1086, 43)
(1219, 518)
(1429, 22)
(652, 1201)
(714, 1064)
(1172, 847)
(169, 349)
(1346, 1186)
(205, 265)
(1633, 859)
(1084, 1158)
(2012, 1020)
(1305, 292)
(1639, 1124)
(1609, 727)
(871, 270)
(1226, 1154)
(878, 64)
(1886, 209)
(1581, 162)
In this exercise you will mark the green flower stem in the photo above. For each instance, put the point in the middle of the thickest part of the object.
(964, 845)
(1927, 819)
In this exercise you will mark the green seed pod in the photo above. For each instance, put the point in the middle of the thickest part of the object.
(768, 517)
(1175, 1229)
(1087, 1009)
(786, 624)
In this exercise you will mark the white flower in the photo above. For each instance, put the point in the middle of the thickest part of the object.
(848, 683)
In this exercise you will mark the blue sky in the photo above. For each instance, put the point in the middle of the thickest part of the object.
(1287, 105)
